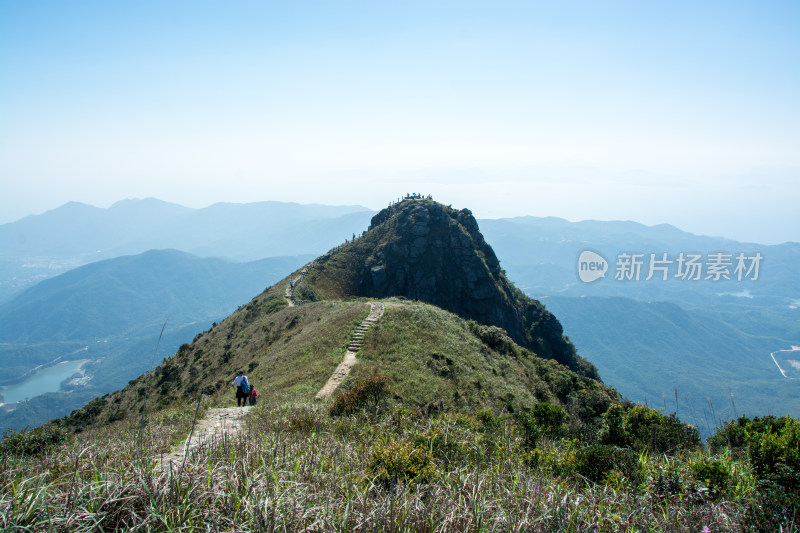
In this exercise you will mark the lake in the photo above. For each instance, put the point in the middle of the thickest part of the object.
(47, 380)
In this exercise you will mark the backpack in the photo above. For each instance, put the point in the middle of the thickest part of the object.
(245, 385)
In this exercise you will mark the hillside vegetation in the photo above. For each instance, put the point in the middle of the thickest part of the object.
(297, 468)
(434, 359)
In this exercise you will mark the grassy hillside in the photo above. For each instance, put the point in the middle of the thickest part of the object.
(434, 360)
(285, 352)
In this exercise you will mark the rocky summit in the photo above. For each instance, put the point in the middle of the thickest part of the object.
(422, 250)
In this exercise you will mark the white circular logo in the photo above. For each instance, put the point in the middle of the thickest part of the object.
(591, 266)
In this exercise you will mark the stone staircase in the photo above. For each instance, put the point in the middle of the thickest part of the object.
(375, 313)
(349, 360)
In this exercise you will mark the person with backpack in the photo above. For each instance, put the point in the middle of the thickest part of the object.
(253, 396)
(242, 389)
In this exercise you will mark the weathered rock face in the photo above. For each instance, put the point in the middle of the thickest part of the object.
(423, 250)
(436, 255)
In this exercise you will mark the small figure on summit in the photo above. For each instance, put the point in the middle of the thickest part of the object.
(242, 389)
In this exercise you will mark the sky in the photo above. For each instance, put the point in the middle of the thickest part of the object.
(682, 112)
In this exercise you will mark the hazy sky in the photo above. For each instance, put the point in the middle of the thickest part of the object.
(654, 111)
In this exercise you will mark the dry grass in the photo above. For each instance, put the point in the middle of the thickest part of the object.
(298, 469)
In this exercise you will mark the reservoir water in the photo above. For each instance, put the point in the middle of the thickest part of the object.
(47, 380)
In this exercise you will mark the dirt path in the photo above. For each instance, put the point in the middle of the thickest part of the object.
(349, 360)
(218, 424)
(289, 294)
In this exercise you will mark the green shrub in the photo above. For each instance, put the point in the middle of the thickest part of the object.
(775, 508)
(274, 303)
(303, 292)
(366, 394)
(713, 474)
(768, 450)
(644, 428)
(773, 450)
(596, 461)
(732, 435)
(487, 418)
(400, 462)
(492, 336)
(545, 459)
(543, 420)
(665, 480)
(613, 430)
(302, 420)
(452, 438)
(34, 441)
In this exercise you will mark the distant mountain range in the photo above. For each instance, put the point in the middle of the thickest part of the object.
(41, 246)
(541, 255)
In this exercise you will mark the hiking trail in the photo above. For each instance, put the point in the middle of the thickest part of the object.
(289, 294)
(349, 360)
(219, 425)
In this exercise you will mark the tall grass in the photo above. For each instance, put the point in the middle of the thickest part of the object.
(295, 468)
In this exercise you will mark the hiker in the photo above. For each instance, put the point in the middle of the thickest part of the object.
(242, 389)
(291, 283)
(253, 396)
